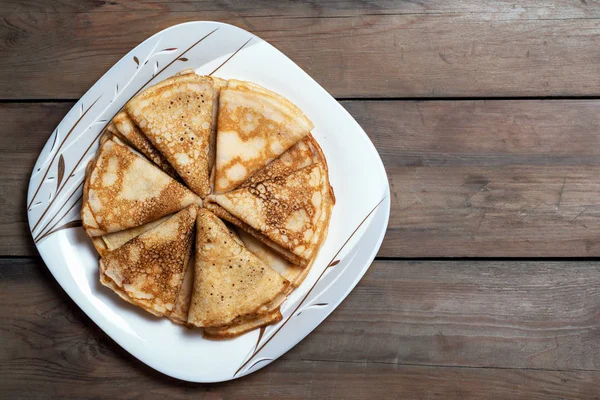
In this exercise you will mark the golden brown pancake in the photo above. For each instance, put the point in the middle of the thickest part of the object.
(124, 190)
(243, 325)
(179, 314)
(177, 115)
(230, 282)
(124, 128)
(182, 305)
(266, 314)
(112, 241)
(255, 126)
(287, 213)
(148, 270)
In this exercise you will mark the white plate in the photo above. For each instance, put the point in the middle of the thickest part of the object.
(357, 227)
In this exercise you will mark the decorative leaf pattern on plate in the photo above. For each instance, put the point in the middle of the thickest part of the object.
(166, 51)
(55, 136)
(316, 305)
(61, 171)
(261, 360)
(72, 224)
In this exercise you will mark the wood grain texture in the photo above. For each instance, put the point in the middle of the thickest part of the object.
(355, 49)
(489, 178)
(24, 129)
(501, 9)
(409, 330)
(468, 178)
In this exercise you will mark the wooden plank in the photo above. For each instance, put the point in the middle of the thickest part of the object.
(472, 179)
(512, 314)
(58, 50)
(489, 178)
(410, 329)
(25, 129)
(501, 9)
(306, 379)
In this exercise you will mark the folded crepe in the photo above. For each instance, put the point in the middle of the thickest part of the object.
(243, 325)
(148, 270)
(125, 129)
(230, 282)
(178, 115)
(255, 126)
(112, 241)
(182, 305)
(288, 213)
(267, 314)
(124, 190)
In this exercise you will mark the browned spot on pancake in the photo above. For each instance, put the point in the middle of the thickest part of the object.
(279, 207)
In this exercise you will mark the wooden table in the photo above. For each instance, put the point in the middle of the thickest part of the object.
(487, 117)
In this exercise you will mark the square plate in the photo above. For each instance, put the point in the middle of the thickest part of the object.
(357, 226)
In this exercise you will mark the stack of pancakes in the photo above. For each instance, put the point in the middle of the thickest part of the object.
(208, 201)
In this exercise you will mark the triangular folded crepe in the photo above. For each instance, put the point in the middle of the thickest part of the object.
(288, 213)
(178, 115)
(268, 313)
(148, 270)
(124, 128)
(230, 282)
(124, 190)
(255, 126)
(112, 241)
